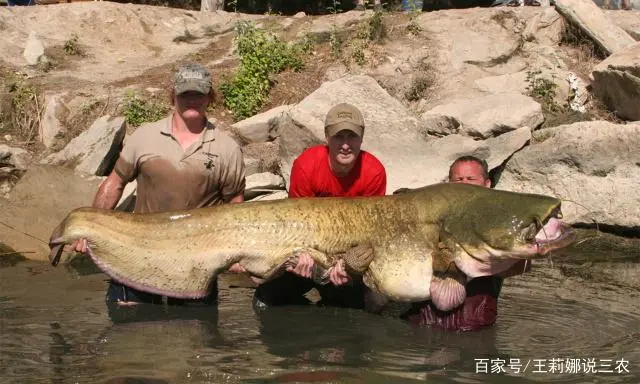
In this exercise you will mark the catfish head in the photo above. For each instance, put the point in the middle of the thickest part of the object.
(490, 230)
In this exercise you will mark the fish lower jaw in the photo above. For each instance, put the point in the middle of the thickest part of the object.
(473, 267)
(560, 239)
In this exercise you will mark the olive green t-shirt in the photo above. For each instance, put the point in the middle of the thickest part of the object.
(210, 172)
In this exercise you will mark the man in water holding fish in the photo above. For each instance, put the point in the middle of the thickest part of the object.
(339, 168)
(180, 162)
(480, 307)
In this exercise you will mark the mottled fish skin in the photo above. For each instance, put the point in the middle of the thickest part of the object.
(179, 253)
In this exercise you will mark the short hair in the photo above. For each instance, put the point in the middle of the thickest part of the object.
(468, 158)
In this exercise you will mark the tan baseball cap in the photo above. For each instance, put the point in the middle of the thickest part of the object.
(344, 116)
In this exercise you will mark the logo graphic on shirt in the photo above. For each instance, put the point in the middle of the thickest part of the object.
(211, 158)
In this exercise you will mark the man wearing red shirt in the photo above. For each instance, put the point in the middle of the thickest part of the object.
(339, 168)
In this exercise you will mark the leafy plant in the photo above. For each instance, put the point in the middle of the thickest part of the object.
(261, 54)
(543, 91)
(413, 27)
(375, 29)
(138, 111)
(71, 46)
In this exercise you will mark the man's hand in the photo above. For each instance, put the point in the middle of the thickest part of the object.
(80, 245)
(304, 266)
(237, 268)
(337, 274)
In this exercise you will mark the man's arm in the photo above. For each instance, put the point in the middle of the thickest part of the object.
(299, 182)
(108, 195)
(109, 192)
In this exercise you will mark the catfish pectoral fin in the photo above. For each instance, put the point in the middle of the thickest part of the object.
(448, 292)
(358, 258)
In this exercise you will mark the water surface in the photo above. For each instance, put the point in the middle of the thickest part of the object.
(56, 328)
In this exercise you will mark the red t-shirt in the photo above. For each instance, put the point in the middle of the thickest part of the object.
(311, 176)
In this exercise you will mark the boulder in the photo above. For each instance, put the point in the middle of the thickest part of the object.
(592, 166)
(587, 16)
(33, 50)
(39, 202)
(94, 151)
(259, 128)
(52, 129)
(616, 81)
(391, 133)
(262, 184)
(492, 115)
(14, 157)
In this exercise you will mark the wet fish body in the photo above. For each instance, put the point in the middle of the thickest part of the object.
(419, 245)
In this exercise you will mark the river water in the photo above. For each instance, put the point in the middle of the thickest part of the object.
(570, 320)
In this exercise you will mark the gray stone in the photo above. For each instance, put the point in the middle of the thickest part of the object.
(259, 128)
(16, 158)
(261, 184)
(272, 195)
(95, 150)
(594, 167)
(34, 49)
(264, 180)
(617, 82)
(492, 115)
(52, 129)
(590, 19)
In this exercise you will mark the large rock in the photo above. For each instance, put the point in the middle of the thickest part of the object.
(444, 151)
(411, 157)
(13, 164)
(392, 134)
(259, 128)
(262, 184)
(594, 167)
(617, 82)
(95, 150)
(587, 16)
(14, 157)
(629, 21)
(52, 129)
(33, 49)
(544, 27)
(493, 114)
(39, 202)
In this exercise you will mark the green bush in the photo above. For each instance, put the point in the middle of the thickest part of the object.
(138, 111)
(261, 54)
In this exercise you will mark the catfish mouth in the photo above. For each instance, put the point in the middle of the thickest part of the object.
(553, 234)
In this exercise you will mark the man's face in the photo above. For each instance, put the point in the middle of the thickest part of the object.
(468, 172)
(192, 105)
(344, 147)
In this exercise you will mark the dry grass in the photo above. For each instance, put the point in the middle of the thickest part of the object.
(584, 54)
(21, 108)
